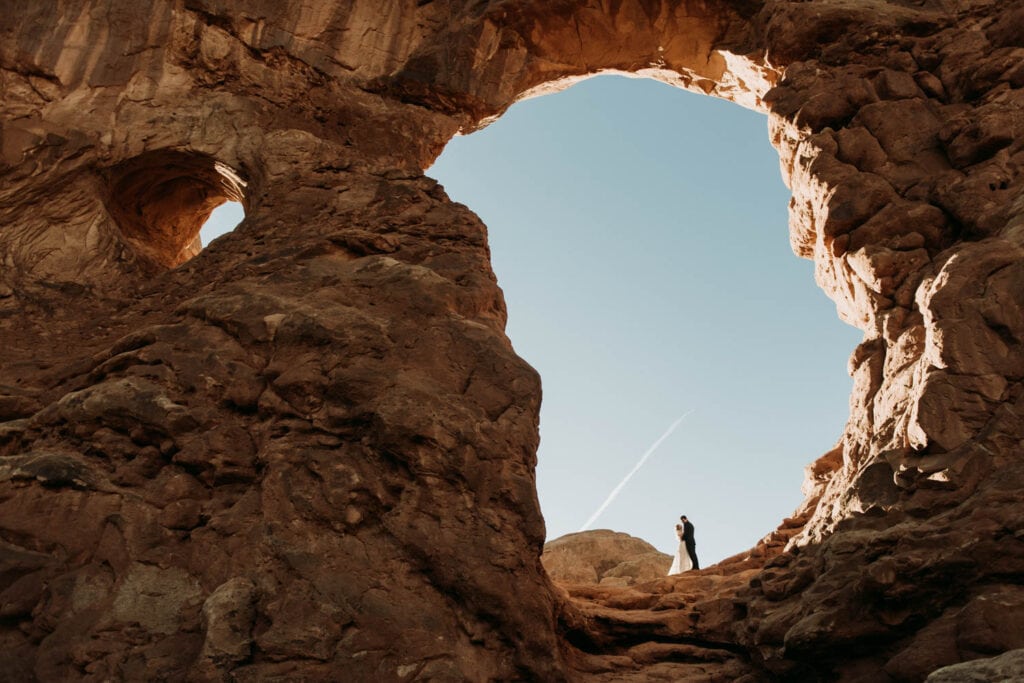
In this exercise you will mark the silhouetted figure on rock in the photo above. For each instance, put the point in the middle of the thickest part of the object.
(688, 540)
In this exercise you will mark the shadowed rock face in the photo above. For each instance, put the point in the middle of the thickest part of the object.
(308, 452)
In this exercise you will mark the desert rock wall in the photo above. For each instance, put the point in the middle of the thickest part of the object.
(310, 449)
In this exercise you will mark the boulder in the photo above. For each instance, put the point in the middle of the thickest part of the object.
(605, 557)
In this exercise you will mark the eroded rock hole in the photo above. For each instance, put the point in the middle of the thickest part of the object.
(639, 233)
(222, 220)
(162, 199)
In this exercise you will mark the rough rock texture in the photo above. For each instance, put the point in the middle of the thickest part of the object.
(1005, 668)
(308, 452)
(604, 557)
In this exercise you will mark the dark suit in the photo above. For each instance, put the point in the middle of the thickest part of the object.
(691, 544)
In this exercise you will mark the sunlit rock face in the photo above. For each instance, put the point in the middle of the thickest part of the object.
(603, 557)
(308, 452)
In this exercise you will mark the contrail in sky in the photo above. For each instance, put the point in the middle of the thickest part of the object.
(618, 489)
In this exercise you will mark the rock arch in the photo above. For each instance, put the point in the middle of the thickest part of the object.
(161, 199)
(314, 441)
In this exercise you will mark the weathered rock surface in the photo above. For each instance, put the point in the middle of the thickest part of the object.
(1005, 668)
(605, 557)
(308, 451)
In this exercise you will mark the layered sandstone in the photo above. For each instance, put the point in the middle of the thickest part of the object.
(308, 451)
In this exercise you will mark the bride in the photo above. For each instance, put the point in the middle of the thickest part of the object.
(682, 562)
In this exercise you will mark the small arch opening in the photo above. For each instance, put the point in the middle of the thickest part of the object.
(222, 220)
(161, 200)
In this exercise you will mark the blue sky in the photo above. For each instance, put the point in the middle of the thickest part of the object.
(639, 233)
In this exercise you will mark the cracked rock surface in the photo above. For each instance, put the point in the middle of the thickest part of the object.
(307, 452)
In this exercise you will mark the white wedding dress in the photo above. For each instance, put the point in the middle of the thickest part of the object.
(682, 562)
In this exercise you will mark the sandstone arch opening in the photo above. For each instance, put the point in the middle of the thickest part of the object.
(647, 272)
(391, 527)
(222, 220)
(160, 200)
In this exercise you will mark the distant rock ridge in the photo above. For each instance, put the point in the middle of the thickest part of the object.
(603, 557)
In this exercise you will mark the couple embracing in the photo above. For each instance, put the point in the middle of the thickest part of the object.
(686, 553)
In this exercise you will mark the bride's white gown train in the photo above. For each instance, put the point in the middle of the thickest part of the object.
(682, 562)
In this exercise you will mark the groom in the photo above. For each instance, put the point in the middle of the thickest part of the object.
(691, 544)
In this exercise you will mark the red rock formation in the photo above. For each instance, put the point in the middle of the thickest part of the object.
(308, 451)
(609, 558)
